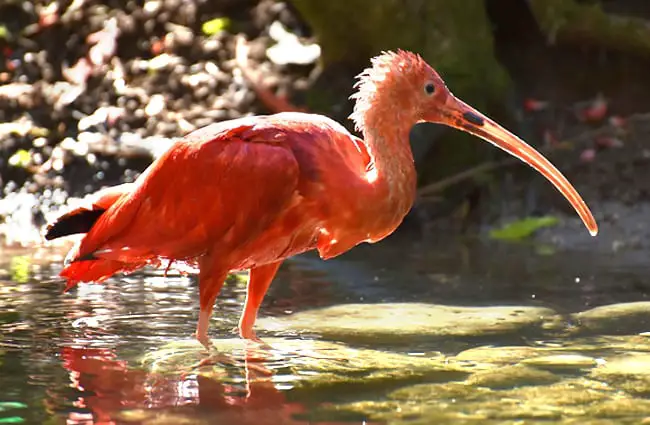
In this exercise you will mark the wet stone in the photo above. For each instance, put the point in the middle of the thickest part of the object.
(621, 407)
(445, 391)
(307, 364)
(623, 318)
(453, 403)
(512, 377)
(630, 373)
(401, 322)
(562, 362)
(491, 356)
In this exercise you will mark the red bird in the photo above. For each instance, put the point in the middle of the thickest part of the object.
(249, 193)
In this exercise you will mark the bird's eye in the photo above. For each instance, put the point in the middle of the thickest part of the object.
(429, 88)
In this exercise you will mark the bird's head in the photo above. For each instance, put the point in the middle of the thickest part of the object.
(403, 86)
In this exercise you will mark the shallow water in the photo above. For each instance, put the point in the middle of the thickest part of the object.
(78, 357)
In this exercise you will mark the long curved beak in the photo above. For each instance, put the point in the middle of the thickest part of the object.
(456, 113)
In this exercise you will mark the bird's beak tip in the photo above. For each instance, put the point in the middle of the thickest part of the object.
(458, 114)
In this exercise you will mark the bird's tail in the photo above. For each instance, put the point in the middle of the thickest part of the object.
(81, 220)
(94, 270)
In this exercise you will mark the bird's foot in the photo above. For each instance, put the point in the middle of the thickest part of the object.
(249, 335)
(215, 357)
(256, 349)
(204, 340)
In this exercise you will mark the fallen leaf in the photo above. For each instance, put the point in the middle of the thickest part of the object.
(21, 158)
(215, 25)
(524, 228)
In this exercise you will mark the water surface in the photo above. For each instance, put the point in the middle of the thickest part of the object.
(76, 357)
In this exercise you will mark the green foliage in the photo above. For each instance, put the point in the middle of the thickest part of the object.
(12, 420)
(11, 405)
(216, 25)
(8, 405)
(521, 229)
(21, 158)
(19, 268)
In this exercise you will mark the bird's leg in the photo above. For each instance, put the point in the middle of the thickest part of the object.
(258, 283)
(211, 279)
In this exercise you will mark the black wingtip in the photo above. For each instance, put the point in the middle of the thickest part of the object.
(80, 221)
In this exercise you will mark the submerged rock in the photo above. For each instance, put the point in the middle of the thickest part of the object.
(457, 403)
(303, 364)
(441, 392)
(562, 362)
(494, 355)
(512, 377)
(629, 372)
(405, 321)
(623, 318)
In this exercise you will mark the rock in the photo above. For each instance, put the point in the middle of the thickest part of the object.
(630, 364)
(624, 318)
(424, 393)
(511, 377)
(404, 321)
(601, 345)
(621, 408)
(308, 364)
(562, 362)
(491, 356)
(566, 400)
(455, 403)
(397, 413)
(630, 372)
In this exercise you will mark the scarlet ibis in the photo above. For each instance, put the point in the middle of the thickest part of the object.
(247, 194)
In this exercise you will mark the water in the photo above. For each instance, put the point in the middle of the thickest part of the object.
(77, 358)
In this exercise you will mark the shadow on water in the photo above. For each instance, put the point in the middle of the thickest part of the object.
(121, 352)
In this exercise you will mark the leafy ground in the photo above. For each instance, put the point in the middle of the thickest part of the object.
(91, 91)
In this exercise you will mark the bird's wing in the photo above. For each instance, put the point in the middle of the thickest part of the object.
(224, 183)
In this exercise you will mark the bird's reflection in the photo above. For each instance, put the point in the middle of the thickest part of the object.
(107, 390)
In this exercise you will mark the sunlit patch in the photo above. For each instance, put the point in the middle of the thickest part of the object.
(86, 322)
(188, 390)
(371, 175)
(327, 234)
(89, 290)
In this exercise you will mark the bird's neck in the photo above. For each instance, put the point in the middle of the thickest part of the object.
(395, 185)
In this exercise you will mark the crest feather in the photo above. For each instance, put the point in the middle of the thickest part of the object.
(369, 82)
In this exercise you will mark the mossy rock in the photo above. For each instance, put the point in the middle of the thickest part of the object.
(629, 372)
(616, 319)
(587, 23)
(455, 37)
(459, 403)
(406, 322)
(307, 364)
(499, 355)
(566, 363)
(511, 377)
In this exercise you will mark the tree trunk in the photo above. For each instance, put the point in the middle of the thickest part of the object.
(454, 37)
